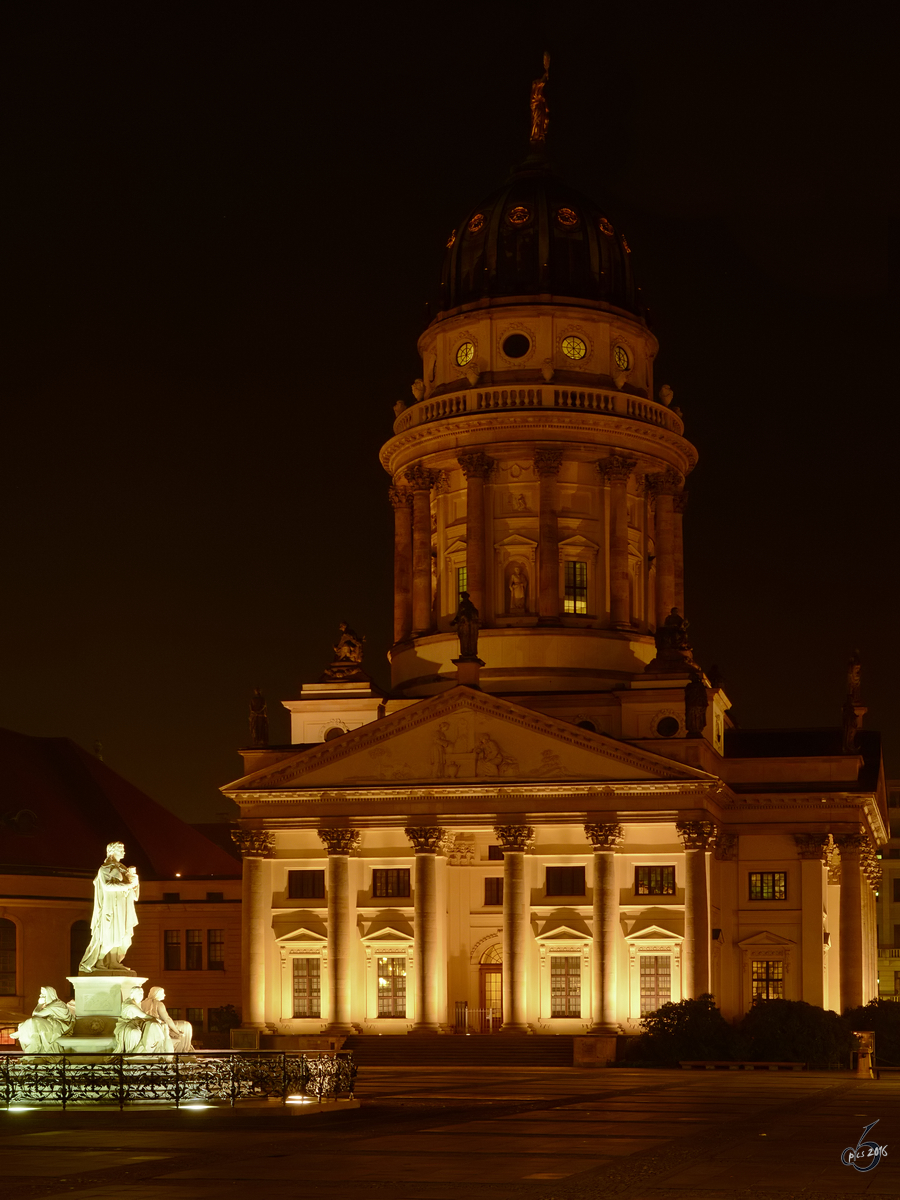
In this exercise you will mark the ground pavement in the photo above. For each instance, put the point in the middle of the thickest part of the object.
(448, 1133)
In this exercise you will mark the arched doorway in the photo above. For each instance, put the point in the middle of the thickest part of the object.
(490, 988)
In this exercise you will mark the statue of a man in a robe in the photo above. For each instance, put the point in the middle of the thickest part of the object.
(116, 888)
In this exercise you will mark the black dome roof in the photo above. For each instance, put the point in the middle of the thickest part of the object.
(537, 236)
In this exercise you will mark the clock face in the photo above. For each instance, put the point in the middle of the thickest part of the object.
(621, 359)
(573, 347)
(465, 353)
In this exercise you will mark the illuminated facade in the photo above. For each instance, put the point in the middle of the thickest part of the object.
(561, 831)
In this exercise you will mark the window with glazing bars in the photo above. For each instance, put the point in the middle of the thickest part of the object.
(462, 580)
(575, 595)
(306, 885)
(768, 885)
(392, 987)
(654, 881)
(565, 881)
(7, 959)
(565, 985)
(193, 950)
(768, 980)
(493, 889)
(172, 950)
(307, 987)
(215, 949)
(656, 981)
(195, 1016)
(390, 881)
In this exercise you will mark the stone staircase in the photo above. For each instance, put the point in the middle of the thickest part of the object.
(457, 1050)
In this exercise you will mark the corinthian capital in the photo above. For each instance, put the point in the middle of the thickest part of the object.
(419, 478)
(547, 462)
(400, 497)
(428, 839)
(254, 843)
(811, 845)
(514, 837)
(851, 843)
(616, 468)
(339, 841)
(605, 837)
(476, 465)
(697, 835)
(666, 483)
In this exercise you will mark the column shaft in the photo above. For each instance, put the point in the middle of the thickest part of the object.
(255, 917)
(851, 921)
(812, 886)
(476, 467)
(678, 548)
(421, 480)
(339, 931)
(428, 1014)
(515, 943)
(698, 838)
(403, 555)
(605, 949)
(665, 556)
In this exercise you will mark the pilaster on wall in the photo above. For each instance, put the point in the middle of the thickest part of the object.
(698, 838)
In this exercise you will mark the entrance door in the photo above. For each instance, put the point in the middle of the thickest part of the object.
(491, 997)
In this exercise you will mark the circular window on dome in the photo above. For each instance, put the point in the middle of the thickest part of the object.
(573, 347)
(621, 359)
(476, 223)
(451, 239)
(567, 217)
(606, 228)
(667, 726)
(518, 215)
(465, 353)
(626, 247)
(516, 345)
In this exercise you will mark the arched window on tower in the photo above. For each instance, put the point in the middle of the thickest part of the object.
(7, 958)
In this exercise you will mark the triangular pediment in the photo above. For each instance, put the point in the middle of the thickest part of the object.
(766, 938)
(579, 542)
(652, 933)
(557, 931)
(466, 735)
(303, 934)
(514, 541)
(457, 546)
(379, 932)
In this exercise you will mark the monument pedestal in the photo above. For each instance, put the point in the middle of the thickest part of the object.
(98, 1006)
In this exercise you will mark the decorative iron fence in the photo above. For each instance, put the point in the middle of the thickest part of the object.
(217, 1076)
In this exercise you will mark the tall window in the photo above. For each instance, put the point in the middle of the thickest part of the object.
(172, 951)
(307, 988)
(7, 958)
(215, 949)
(306, 885)
(462, 580)
(575, 587)
(768, 980)
(565, 881)
(195, 1016)
(565, 985)
(193, 950)
(768, 885)
(654, 881)
(393, 881)
(392, 987)
(656, 981)
(493, 890)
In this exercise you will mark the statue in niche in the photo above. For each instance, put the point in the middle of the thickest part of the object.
(180, 1032)
(116, 888)
(518, 588)
(51, 1020)
(467, 625)
(137, 1032)
(490, 759)
(349, 646)
(695, 705)
(259, 719)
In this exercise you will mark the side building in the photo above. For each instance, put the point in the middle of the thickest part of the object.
(889, 903)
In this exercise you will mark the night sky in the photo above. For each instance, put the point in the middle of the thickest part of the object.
(222, 226)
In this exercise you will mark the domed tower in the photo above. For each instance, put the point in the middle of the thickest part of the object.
(535, 469)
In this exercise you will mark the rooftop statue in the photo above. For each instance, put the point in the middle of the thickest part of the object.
(467, 625)
(854, 680)
(259, 719)
(113, 921)
(349, 646)
(540, 113)
(51, 1020)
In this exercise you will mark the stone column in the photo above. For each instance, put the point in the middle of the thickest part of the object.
(515, 841)
(698, 838)
(679, 504)
(476, 468)
(606, 840)
(340, 844)
(872, 870)
(546, 467)
(257, 847)
(666, 484)
(851, 919)
(420, 480)
(615, 471)
(811, 849)
(428, 843)
(401, 500)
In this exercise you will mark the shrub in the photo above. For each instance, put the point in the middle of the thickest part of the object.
(883, 1017)
(794, 1031)
(689, 1029)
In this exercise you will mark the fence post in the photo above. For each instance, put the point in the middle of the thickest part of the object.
(177, 1083)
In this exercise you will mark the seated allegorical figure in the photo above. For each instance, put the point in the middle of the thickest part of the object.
(138, 1033)
(51, 1020)
(180, 1032)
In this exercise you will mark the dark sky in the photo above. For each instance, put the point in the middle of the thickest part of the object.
(222, 225)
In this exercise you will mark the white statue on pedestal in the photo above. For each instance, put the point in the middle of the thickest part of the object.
(51, 1020)
(181, 1032)
(112, 924)
(138, 1033)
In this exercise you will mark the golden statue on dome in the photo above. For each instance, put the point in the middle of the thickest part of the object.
(540, 113)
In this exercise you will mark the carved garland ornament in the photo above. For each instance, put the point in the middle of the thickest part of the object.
(514, 837)
(428, 839)
(605, 837)
(697, 835)
(254, 843)
(339, 841)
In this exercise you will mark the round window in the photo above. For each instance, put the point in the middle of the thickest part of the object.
(573, 347)
(334, 732)
(621, 359)
(465, 353)
(516, 345)
(667, 726)
(518, 215)
(476, 223)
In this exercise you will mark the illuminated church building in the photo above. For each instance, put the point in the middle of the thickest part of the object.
(558, 829)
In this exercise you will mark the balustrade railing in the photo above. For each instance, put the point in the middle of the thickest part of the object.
(211, 1076)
